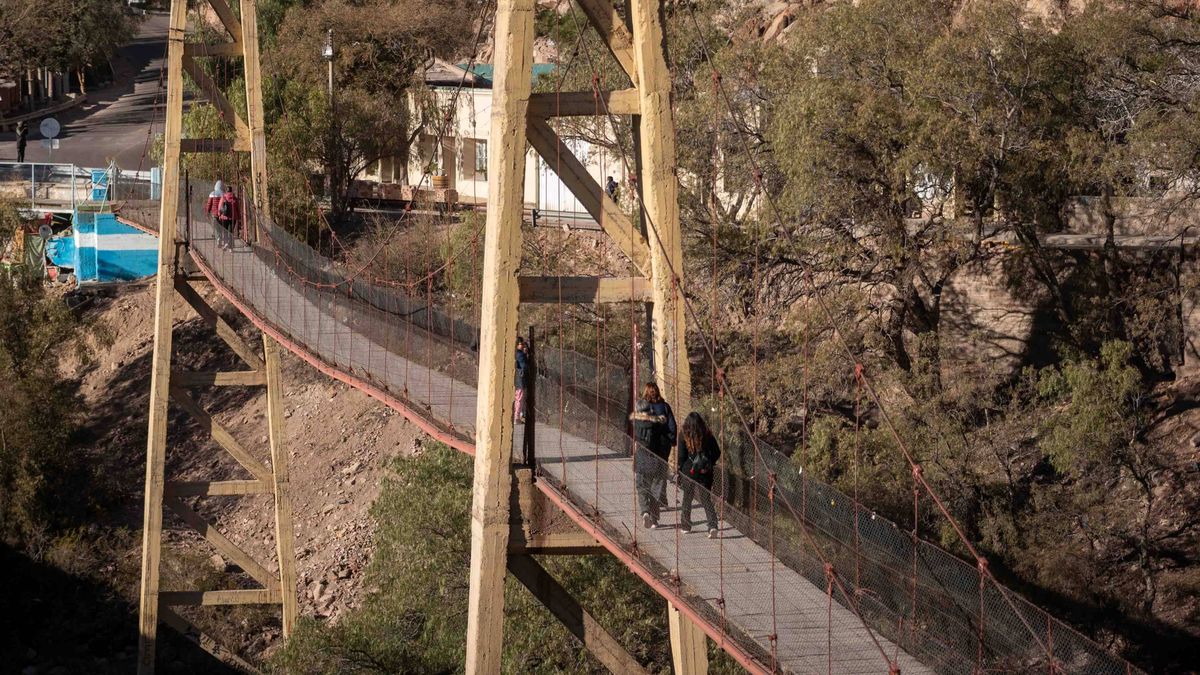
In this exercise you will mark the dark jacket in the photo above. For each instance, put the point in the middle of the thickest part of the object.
(654, 428)
(228, 209)
(522, 364)
(700, 466)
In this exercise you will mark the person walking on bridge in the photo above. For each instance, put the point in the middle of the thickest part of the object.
(698, 455)
(654, 430)
(212, 209)
(229, 212)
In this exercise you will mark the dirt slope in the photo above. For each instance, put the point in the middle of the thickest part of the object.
(339, 443)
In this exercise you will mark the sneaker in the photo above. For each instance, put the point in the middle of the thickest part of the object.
(647, 521)
(712, 533)
(685, 528)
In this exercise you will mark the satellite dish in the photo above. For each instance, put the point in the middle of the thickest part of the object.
(50, 127)
(45, 232)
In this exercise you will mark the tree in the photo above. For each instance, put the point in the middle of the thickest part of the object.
(415, 621)
(42, 473)
(379, 46)
(61, 34)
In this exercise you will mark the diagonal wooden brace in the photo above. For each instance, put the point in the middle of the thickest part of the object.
(607, 650)
(220, 434)
(603, 15)
(222, 327)
(217, 98)
(222, 543)
(575, 176)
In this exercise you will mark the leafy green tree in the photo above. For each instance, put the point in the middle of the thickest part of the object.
(379, 47)
(68, 35)
(415, 620)
(42, 472)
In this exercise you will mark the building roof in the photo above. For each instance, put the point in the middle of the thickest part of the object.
(442, 74)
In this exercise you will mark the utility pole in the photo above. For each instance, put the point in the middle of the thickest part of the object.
(334, 153)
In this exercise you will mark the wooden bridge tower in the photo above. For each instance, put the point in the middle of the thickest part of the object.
(169, 385)
(654, 250)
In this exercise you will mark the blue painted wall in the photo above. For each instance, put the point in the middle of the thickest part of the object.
(102, 249)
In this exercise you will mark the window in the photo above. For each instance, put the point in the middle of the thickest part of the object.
(481, 159)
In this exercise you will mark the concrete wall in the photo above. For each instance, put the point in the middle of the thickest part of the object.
(1166, 215)
(100, 249)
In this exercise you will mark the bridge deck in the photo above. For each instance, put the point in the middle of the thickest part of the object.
(594, 479)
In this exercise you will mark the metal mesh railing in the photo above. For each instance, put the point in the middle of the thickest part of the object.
(800, 578)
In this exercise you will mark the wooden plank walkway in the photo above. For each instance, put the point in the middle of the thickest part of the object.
(599, 478)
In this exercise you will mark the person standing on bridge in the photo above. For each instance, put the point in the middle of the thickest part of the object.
(522, 364)
(654, 429)
(611, 188)
(698, 455)
(212, 209)
(22, 140)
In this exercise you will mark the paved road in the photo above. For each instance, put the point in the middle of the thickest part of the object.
(118, 121)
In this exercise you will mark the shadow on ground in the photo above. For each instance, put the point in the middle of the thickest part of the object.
(55, 623)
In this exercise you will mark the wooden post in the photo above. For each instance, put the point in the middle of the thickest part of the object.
(688, 647)
(164, 386)
(254, 116)
(656, 147)
(659, 193)
(498, 333)
(285, 546)
(160, 369)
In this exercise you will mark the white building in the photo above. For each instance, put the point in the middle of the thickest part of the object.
(461, 155)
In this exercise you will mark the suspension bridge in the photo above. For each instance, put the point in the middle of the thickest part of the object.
(801, 578)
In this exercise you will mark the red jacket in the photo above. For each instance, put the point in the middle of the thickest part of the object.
(210, 206)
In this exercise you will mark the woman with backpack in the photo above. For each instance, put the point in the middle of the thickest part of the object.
(654, 429)
(698, 455)
(212, 208)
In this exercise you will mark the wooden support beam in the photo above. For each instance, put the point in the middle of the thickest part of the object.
(689, 649)
(603, 15)
(220, 434)
(256, 133)
(160, 368)
(583, 103)
(492, 483)
(253, 596)
(222, 543)
(204, 640)
(216, 488)
(225, 14)
(222, 327)
(537, 526)
(218, 99)
(659, 185)
(584, 290)
(595, 201)
(196, 50)
(202, 145)
(237, 378)
(606, 648)
(556, 543)
(285, 537)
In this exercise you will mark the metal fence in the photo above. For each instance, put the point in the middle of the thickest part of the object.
(801, 578)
